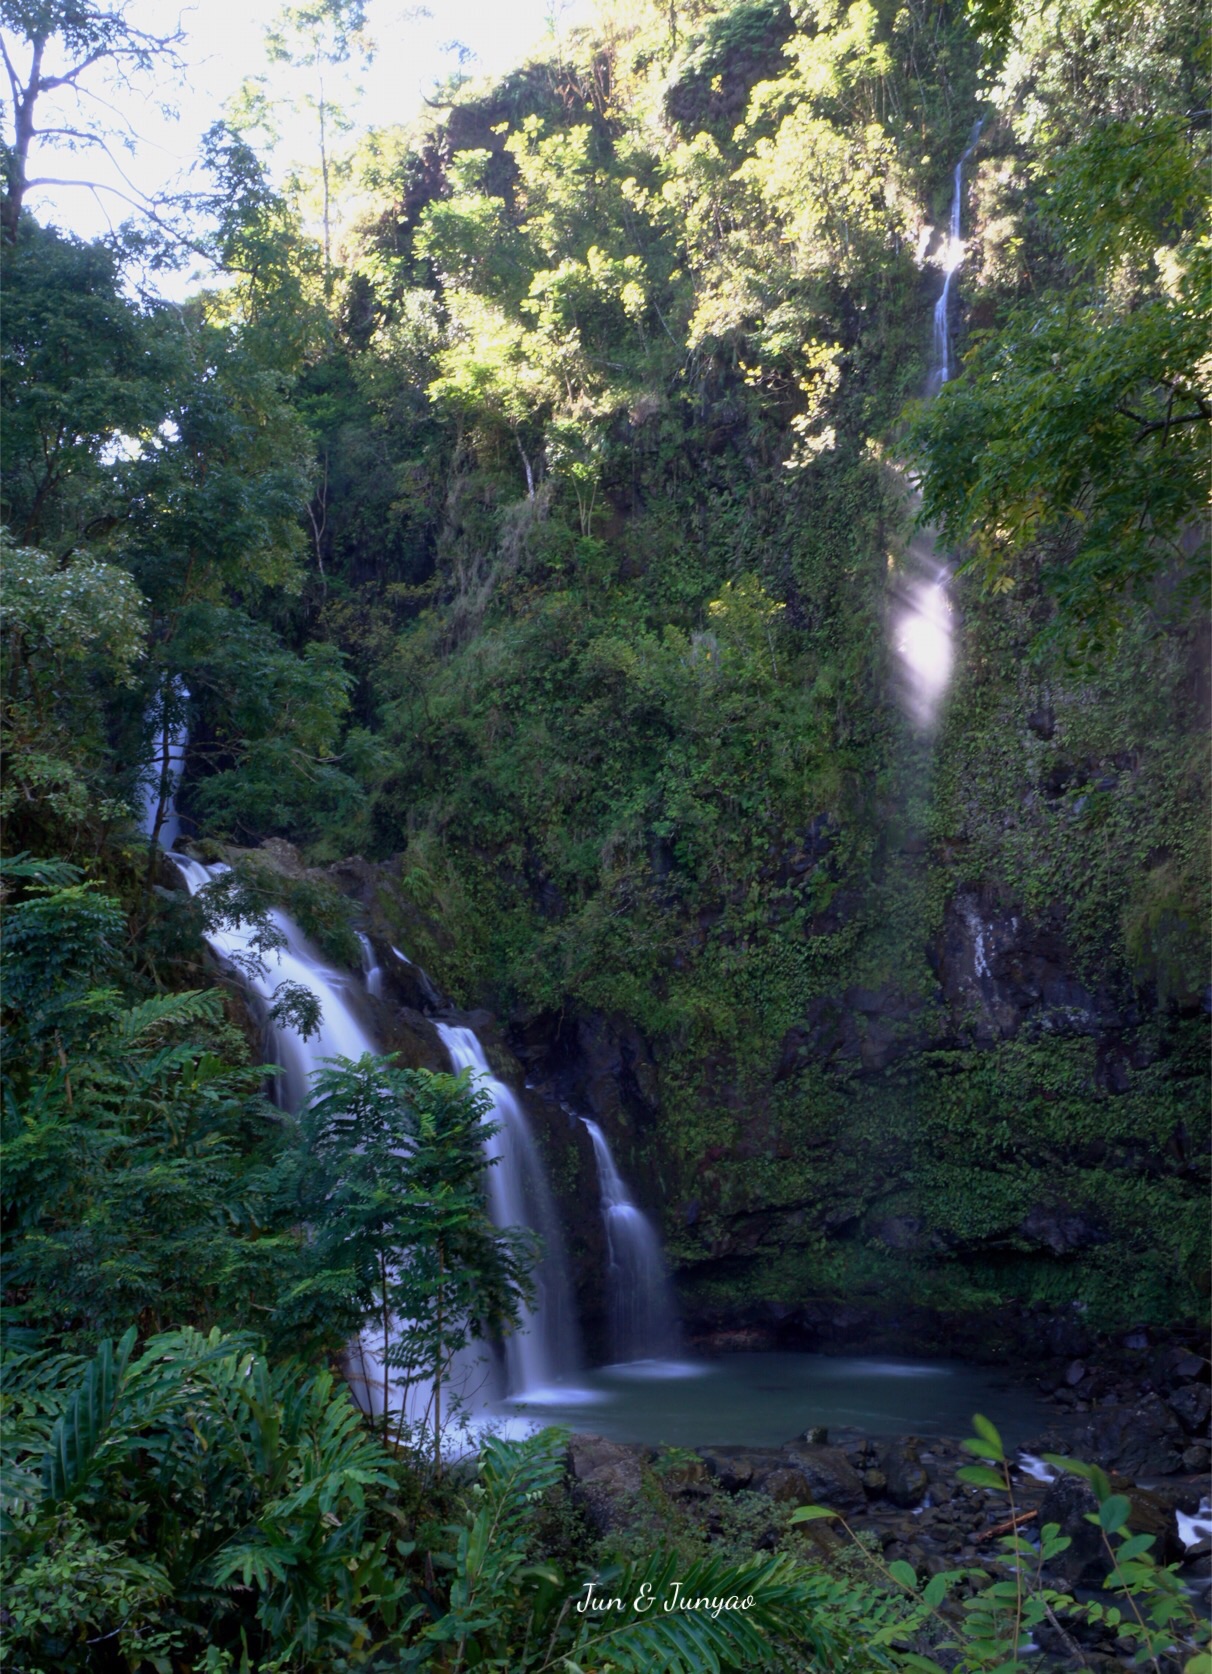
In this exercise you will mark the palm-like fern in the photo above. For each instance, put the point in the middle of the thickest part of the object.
(509, 1614)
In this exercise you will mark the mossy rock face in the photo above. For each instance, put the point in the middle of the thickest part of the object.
(911, 1043)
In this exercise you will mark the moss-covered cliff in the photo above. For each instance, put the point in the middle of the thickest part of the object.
(865, 1010)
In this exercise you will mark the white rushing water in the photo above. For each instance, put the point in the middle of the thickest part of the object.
(953, 257)
(1193, 1531)
(341, 1032)
(545, 1350)
(372, 971)
(162, 775)
(922, 626)
(639, 1300)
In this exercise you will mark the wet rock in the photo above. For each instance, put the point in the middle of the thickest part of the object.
(1061, 1229)
(1189, 1366)
(1075, 1373)
(902, 1232)
(832, 1479)
(606, 1480)
(1066, 1503)
(790, 1485)
(1192, 1403)
(875, 1483)
(1042, 722)
(731, 1473)
(817, 1435)
(907, 1479)
(1153, 1513)
(1196, 1459)
(1139, 1439)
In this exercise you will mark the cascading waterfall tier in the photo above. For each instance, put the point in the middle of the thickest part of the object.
(341, 1032)
(546, 1348)
(544, 1351)
(642, 1318)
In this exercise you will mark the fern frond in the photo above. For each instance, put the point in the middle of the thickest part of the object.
(81, 1429)
(194, 1005)
(713, 1616)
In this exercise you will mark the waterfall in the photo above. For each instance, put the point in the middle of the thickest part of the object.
(341, 1033)
(372, 971)
(545, 1349)
(643, 1322)
(518, 1192)
(921, 631)
(168, 762)
(953, 257)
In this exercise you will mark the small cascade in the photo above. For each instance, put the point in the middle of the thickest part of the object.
(372, 971)
(341, 1033)
(953, 256)
(172, 738)
(643, 1320)
(545, 1349)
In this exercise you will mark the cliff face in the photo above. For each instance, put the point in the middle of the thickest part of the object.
(933, 1056)
(865, 1011)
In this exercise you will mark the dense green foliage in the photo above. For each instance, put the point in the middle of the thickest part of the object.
(540, 538)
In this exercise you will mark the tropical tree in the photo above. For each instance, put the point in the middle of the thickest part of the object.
(401, 1246)
(138, 1151)
(1076, 441)
(70, 48)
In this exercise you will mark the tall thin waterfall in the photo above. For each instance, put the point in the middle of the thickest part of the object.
(922, 627)
(643, 1321)
(545, 1349)
(953, 257)
(372, 971)
(164, 772)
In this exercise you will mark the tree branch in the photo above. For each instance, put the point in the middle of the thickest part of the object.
(12, 74)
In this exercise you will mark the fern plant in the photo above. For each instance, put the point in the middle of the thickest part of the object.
(508, 1613)
(138, 1164)
(235, 1498)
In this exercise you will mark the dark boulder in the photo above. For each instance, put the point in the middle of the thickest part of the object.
(832, 1480)
(790, 1485)
(1141, 1440)
(907, 1479)
(1068, 1501)
(1061, 1229)
(731, 1471)
(606, 1480)
(1192, 1403)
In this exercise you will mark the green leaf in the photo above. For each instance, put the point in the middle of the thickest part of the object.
(810, 1513)
(988, 1433)
(81, 1428)
(1113, 1513)
(904, 1573)
(982, 1449)
(935, 1591)
(1133, 1547)
(980, 1476)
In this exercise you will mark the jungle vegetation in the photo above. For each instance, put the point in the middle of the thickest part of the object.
(522, 514)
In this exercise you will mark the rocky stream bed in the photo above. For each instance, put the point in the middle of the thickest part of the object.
(1147, 1426)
